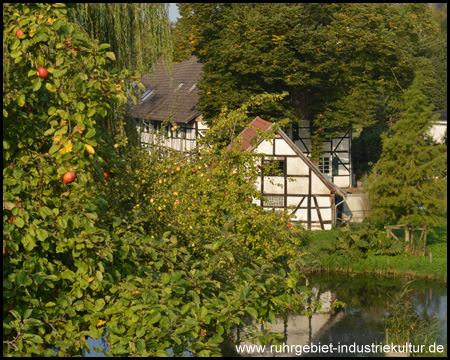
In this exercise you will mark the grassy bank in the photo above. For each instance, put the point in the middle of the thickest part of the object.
(323, 256)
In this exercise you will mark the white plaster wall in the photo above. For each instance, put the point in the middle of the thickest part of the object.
(283, 148)
(302, 214)
(318, 187)
(344, 157)
(296, 166)
(265, 147)
(353, 205)
(294, 200)
(343, 146)
(342, 170)
(326, 214)
(298, 186)
(342, 181)
(323, 201)
(273, 188)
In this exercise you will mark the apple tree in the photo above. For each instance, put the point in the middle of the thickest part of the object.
(78, 260)
(58, 88)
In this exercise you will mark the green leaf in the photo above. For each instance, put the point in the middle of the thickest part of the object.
(18, 221)
(202, 313)
(37, 84)
(140, 331)
(68, 275)
(49, 132)
(50, 87)
(99, 304)
(104, 46)
(41, 36)
(15, 54)
(140, 345)
(252, 311)
(111, 55)
(64, 97)
(165, 278)
(215, 339)
(44, 211)
(80, 106)
(53, 149)
(22, 279)
(91, 112)
(153, 317)
(28, 242)
(161, 353)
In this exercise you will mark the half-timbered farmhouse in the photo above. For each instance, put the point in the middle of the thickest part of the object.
(168, 105)
(312, 191)
(298, 183)
(176, 101)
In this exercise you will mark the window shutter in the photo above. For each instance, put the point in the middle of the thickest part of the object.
(335, 166)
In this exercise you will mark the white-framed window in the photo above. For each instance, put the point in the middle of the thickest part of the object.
(325, 165)
(274, 201)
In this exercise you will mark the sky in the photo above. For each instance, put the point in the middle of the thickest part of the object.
(173, 12)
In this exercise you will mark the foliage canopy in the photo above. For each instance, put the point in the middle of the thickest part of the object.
(339, 62)
(155, 254)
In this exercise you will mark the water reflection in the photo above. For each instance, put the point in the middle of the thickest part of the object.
(359, 324)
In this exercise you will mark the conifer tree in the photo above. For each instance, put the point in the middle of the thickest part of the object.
(407, 186)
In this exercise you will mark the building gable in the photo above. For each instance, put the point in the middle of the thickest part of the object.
(292, 180)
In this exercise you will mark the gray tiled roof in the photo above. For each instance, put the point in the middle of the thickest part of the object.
(169, 98)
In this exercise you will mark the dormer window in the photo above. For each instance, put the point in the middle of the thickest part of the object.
(192, 87)
(147, 94)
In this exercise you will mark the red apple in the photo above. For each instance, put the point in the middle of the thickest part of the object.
(106, 173)
(42, 72)
(19, 32)
(69, 177)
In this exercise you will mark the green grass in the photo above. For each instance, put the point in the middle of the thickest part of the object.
(323, 258)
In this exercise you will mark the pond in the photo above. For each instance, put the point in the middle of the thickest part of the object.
(355, 330)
